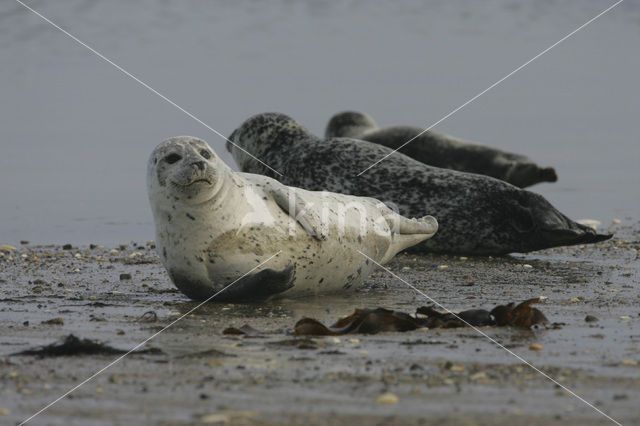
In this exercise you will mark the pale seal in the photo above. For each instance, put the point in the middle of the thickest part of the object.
(477, 214)
(440, 150)
(214, 225)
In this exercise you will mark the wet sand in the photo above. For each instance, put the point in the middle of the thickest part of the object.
(440, 376)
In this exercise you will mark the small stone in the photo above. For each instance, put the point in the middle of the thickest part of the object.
(387, 398)
(123, 247)
(535, 347)
(478, 376)
(590, 318)
(67, 247)
(4, 411)
(631, 362)
(124, 277)
(464, 258)
(215, 418)
(616, 222)
(575, 300)
(135, 254)
(113, 251)
(24, 242)
(77, 256)
(625, 317)
(527, 266)
(54, 321)
(443, 266)
(92, 246)
(7, 247)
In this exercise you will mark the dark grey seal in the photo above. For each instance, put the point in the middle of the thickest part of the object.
(478, 215)
(439, 150)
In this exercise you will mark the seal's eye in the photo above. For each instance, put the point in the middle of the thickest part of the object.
(172, 158)
(206, 154)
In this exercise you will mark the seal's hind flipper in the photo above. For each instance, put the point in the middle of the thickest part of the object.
(259, 286)
(407, 232)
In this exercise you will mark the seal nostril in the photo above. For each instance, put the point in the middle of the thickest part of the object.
(199, 164)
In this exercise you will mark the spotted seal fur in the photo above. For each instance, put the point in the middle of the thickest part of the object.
(214, 225)
(477, 214)
(440, 150)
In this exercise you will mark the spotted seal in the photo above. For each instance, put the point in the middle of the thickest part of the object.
(439, 150)
(477, 214)
(214, 225)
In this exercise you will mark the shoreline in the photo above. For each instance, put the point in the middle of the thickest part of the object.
(443, 376)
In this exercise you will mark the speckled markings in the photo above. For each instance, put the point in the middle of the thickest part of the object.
(215, 227)
(477, 214)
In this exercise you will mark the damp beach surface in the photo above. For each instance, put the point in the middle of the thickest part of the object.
(192, 373)
(76, 133)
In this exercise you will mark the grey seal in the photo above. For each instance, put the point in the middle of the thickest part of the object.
(477, 214)
(214, 225)
(440, 150)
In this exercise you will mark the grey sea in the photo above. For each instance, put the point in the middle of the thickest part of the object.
(75, 131)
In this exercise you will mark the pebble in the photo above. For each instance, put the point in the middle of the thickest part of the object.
(387, 398)
(527, 266)
(215, 418)
(4, 411)
(124, 277)
(535, 347)
(575, 300)
(631, 362)
(479, 375)
(443, 266)
(7, 247)
(67, 247)
(590, 318)
(113, 251)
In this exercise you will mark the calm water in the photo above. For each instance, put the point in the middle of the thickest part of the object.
(75, 132)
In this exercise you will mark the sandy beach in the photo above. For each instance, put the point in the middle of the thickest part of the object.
(196, 375)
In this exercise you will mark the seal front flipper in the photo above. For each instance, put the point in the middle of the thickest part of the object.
(258, 286)
(293, 204)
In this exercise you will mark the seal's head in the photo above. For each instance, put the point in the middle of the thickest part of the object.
(185, 170)
(349, 124)
(264, 136)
